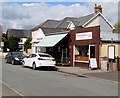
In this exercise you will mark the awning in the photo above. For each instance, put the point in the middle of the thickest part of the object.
(51, 40)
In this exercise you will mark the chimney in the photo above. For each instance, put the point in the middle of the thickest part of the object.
(97, 9)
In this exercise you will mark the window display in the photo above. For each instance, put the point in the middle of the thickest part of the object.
(82, 53)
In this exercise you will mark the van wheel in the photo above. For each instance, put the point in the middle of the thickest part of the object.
(34, 66)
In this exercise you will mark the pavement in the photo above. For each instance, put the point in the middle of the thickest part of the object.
(111, 76)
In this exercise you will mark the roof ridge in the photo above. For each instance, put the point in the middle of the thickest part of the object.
(52, 20)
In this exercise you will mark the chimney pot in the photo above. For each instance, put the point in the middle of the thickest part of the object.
(97, 9)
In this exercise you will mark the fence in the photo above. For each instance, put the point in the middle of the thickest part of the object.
(107, 65)
(118, 63)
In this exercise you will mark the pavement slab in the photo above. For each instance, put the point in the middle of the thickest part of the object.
(107, 75)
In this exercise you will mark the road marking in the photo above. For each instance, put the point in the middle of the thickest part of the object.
(12, 88)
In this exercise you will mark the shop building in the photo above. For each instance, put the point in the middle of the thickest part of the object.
(91, 43)
(84, 45)
(78, 39)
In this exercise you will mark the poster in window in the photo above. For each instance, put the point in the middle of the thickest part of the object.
(111, 52)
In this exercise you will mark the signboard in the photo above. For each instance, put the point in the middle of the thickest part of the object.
(93, 63)
(84, 36)
(111, 52)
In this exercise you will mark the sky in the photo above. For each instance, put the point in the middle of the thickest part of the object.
(27, 15)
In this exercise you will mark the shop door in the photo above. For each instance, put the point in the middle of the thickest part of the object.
(92, 51)
(64, 57)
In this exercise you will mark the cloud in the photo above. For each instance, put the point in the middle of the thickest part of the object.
(28, 15)
(27, 4)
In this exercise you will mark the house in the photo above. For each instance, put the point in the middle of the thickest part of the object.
(39, 32)
(77, 39)
(22, 34)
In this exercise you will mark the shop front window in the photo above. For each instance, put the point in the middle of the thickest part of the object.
(82, 53)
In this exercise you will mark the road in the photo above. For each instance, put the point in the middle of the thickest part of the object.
(40, 82)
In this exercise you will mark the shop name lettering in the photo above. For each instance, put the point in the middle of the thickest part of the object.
(84, 36)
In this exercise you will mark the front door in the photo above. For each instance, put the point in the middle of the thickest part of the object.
(91, 51)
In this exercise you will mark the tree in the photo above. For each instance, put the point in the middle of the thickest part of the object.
(27, 44)
(13, 43)
(5, 40)
(117, 25)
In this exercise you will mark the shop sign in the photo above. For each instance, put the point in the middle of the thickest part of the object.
(93, 63)
(84, 36)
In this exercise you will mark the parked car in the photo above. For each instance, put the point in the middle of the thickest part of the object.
(38, 60)
(14, 57)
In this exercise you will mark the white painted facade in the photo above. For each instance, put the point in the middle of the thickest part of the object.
(94, 22)
(21, 43)
(22, 40)
(71, 26)
(37, 36)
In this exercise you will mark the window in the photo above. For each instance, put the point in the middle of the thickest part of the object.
(21, 40)
(44, 55)
(20, 46)
(34, 55)
(81, 53)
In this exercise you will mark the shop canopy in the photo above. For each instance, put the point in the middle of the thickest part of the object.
(51, 40)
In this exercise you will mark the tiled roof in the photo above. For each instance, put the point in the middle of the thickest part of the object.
(19, 33)
(63, 24)
(48, 31)
(50, 24)
(47, 24)
(76, 21)
(84, 19)
(107, 36)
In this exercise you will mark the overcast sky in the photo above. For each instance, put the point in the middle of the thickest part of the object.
(26, 15)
